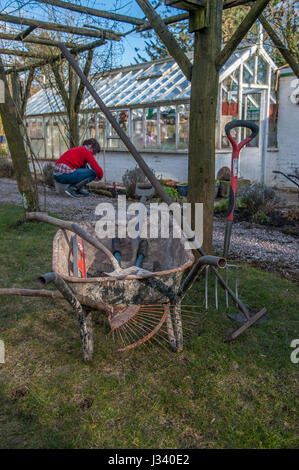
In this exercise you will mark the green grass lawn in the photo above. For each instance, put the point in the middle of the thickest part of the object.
(213, 395)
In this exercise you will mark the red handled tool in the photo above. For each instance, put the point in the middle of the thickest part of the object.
(234, 174)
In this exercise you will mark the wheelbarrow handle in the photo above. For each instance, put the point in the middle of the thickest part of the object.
(242, 123)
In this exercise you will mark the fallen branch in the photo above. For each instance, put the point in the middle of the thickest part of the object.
(55, 294)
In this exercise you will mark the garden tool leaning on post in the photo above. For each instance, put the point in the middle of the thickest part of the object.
(241, 318)
(158, 187)
(231, 207)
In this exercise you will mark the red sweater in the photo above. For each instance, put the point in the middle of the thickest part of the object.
(77, 157)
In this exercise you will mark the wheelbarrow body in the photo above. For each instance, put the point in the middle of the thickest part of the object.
(167, 258)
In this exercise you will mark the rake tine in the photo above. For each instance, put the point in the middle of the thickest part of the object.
(206, 287)
(125, 334)
(133, 331)
(226, 280)
(237, 282)
(143, 330)
(121, 338)
(216, 292)
(150, 324)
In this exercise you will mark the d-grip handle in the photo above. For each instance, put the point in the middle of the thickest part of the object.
(242, 123)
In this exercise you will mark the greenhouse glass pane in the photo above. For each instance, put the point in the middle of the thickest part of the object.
(151, 127)
(251, 112)
(184, 114)
(262, 71)
(248, 71)
(48, 129)
(91, 127)
(101, 129)
(56, 149)
(229, 105)
(167, 126)
(137, 127)
(112, 137)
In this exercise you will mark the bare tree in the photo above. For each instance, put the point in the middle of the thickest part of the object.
(12, 121)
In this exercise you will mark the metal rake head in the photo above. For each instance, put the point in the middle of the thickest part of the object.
(136, 325)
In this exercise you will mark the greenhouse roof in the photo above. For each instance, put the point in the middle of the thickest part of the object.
(150, 82)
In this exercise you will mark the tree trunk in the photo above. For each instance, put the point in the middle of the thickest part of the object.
(204, 93)
(16, 95)
(73, 114)
(73, 117)
(11, 124)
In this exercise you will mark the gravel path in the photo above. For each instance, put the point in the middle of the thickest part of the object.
(62, 205)
(270, 249)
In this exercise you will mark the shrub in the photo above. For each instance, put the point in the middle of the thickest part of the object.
(259, 198)
(221, 206)
(172, 192)
(3, 151)
(260, 218)
(6, 168)
(48, 174)
(131, 178)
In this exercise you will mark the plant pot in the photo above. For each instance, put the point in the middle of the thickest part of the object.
(182, 189)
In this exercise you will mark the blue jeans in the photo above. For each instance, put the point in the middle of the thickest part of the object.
(76, 176)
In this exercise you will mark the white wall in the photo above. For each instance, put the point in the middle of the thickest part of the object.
(287, 159)
(167, 165)
(175, 166)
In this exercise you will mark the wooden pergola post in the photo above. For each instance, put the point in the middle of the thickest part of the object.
(203, 107)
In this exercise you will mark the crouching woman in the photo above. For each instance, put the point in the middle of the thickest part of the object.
(77, 167)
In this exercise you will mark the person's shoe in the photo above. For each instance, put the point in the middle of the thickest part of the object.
(72, 192)
(82, 192)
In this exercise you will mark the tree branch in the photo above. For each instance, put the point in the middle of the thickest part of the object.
(287, 55)
(104, 33)
(54, 58)
(241, 32)
(93, 12)
(60, 85)
(34, 40)
(166, 37)
(27, 91)
(81, 87)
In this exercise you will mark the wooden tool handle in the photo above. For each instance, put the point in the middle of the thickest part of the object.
(63, 224)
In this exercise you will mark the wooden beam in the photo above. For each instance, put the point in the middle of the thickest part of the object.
(241, 32)
(23, 34)
(93, 12)
(9, 65)
(167, 21)
(166, 37)
(23, 53)
(235, 3)
(54, 58)
(34, 40)
(287, 55)
(104, 33)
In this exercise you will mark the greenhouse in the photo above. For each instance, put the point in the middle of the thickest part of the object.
(151, 103)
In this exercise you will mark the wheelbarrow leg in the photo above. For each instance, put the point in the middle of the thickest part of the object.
(178, 327)
(84, 320)
(170, 330)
